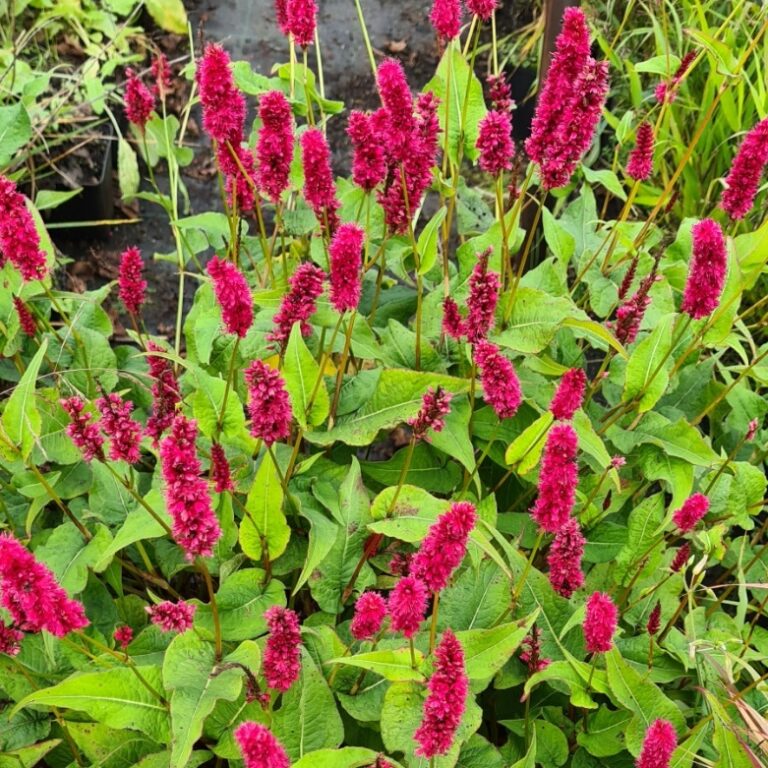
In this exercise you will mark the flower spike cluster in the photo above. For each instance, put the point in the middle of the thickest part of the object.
(501, 387)
(27, 321)
(282, 654)
(345, 255)
(743, 180)
(195, 527)
(494, 140)
(220, 471)
(706, 275)
(29, 592)
(569, 104)
(658, 745)
(668, 91)
(531, 653)
(259, 748)
(446, 701)
(407, 605)
(482, 8)
(116, 423)
(446, 18)
(445, 545)
(435, 405)
(10, 640)
(132, 286)
(268, 404)
(84, 433)
(564, 558)
(274, 150)
(166, 394)
(640, 163)
(693, 510)
(569, 394)
(557, 480)
(297, 18)
(370, 612)
(369, 164)
(600, 623)
(233, 294)
(224, 120)
(139, 101)
(172, 617)
(319, 189)
(299, 304)
(629, 316)
(19, 241)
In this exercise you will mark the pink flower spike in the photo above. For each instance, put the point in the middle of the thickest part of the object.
(435, 405)
(743, 180)
(370, 612)
(494, 142)
(27, 321)
(564, 559)
(668, 93)
(531, 653)
(220, 472)
(346, 264)
(445, 545)
(640, 163)
(10, 640)
(299, 304)
(233, 295)
(501, 387)
(166, 394)
(116, 423)
(274, 149)
(446, 18)
(658, 745)
(681, 558)
(397, 116)
(446, 700)
(259, 748)
(268, 404)
(569, 394)
(369, 166)
(706, 275)
(19, 241)
(132, 286)
(557, 479)
(302, 21)
(282, 654)
(123, 636)
(161, 74)
(223, 104)
(407, 605)
(482, 8)
(693, 510)
(85, 435)
(139, 101)
(654, 620)
(483, 297)
(195, 527)
(319, 189)
(30, 593)
(172, 617)
(453, 323)
(629, 316)
(600, 623)
(281, 16)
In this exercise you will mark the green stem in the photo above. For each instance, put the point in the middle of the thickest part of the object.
(366, 38)
(217, 638)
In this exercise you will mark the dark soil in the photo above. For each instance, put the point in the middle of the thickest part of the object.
(247, 29)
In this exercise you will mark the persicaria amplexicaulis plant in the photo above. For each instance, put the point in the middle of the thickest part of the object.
(440, 440)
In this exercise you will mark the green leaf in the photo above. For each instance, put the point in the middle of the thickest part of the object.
(390, 664)
(15, 131)
(241, 600)
(264, 527)
(69, 555)
(24, 728)
(207, 402)
(464, 86)
(486, 651)
(46, 199)
(641, 697)
(116, 698)
(21, 419)
(169, 15)
(397, 397)
(559, 240)
(308, 719)
(535, 319)
(428, 240)
(301, 372)
(190, 672)
(607, 178)
(127, 170)
(529, 444)
(529, 761)
(551, 743)
(664, 65)
(322, 534)
(595, 332)
(330, 578)
(26, 757)
(346, 757)
(604, 734)
(647, 373)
